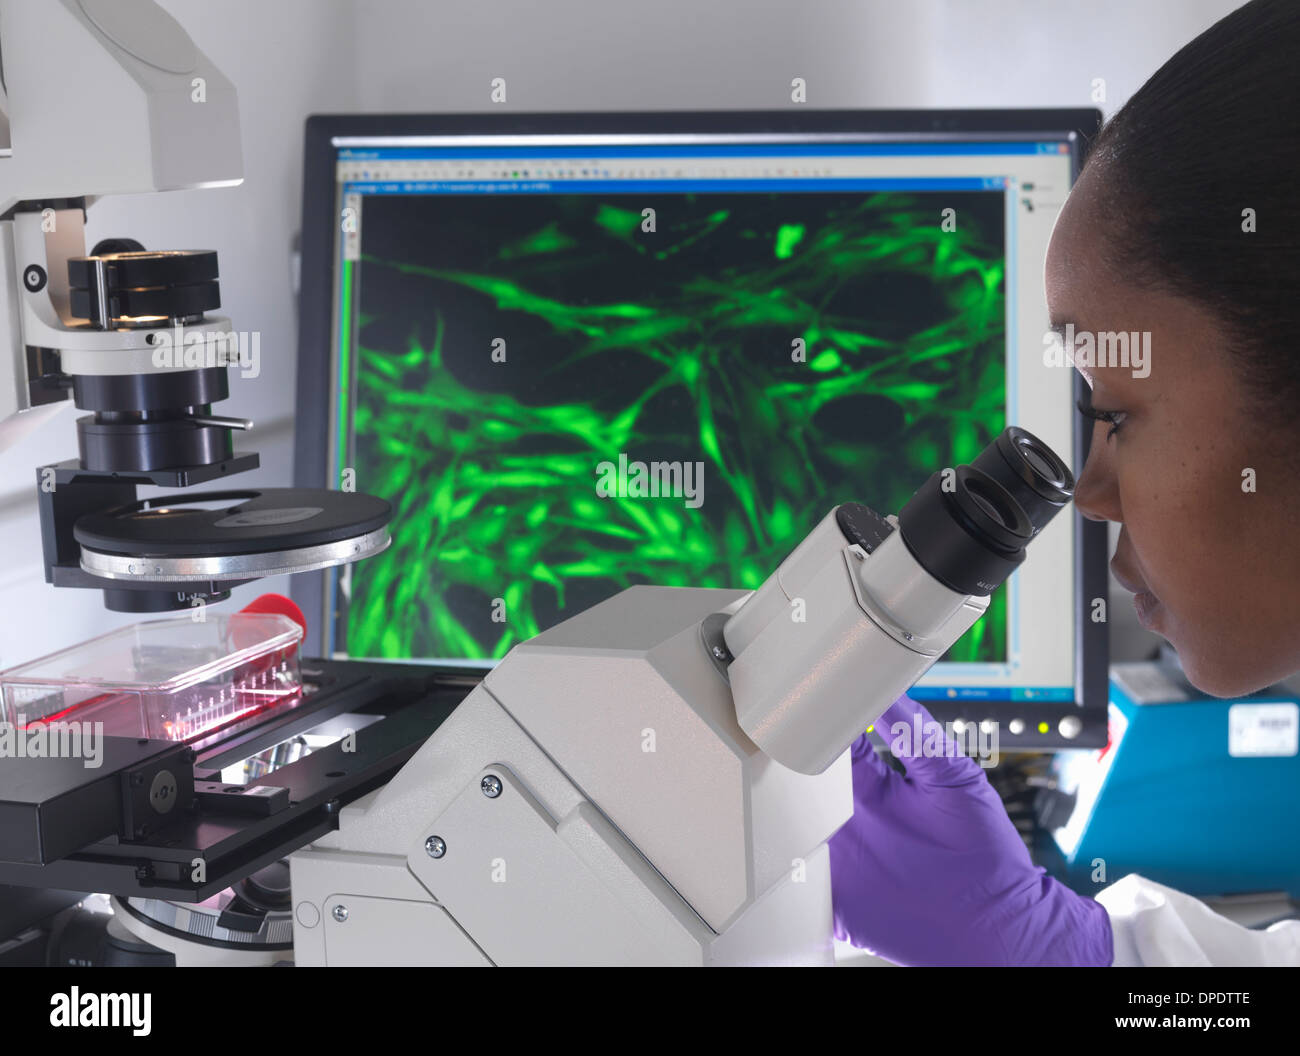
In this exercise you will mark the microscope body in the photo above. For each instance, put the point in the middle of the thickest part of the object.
(593, 801)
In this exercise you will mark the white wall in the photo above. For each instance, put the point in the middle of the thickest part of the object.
(289, 58)
(699, 54)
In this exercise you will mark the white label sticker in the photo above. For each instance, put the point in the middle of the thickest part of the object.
(1264, 729)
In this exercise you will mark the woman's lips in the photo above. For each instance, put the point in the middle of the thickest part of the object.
(1146, 604)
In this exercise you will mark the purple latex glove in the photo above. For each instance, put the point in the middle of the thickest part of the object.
(930, 870)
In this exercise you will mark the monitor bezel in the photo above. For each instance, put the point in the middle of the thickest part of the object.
(327, 134)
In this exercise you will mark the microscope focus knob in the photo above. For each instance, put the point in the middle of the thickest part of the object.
(862, 525)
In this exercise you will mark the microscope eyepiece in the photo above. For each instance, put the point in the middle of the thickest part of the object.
(968, 527)
(966, 530)
(1031, 471)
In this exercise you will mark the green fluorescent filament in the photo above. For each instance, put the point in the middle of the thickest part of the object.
(498, 531)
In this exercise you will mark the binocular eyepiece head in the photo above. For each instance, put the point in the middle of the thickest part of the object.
(918, 583)
(968, 527)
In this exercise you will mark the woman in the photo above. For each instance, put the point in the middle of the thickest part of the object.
(1185, 223)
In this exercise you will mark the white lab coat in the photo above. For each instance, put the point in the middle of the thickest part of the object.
(1155, 925)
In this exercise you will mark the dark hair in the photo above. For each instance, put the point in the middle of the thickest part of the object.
(1215, 131)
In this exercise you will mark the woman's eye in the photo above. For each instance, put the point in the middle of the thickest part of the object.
(1114, 418)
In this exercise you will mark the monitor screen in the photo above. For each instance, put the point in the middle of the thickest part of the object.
(575, 362)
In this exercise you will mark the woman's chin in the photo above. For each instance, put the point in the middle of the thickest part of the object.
(1220, 677)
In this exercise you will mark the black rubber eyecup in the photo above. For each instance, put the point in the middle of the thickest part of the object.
(966, 530)
(1031, 471)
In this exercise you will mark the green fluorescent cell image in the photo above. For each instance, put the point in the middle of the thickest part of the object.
(785, 352)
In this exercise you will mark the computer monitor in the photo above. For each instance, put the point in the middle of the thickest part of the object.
(579, 352)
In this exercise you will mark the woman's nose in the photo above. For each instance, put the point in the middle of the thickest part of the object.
(1096, 491)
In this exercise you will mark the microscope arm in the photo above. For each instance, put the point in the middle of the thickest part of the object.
(100, 97)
